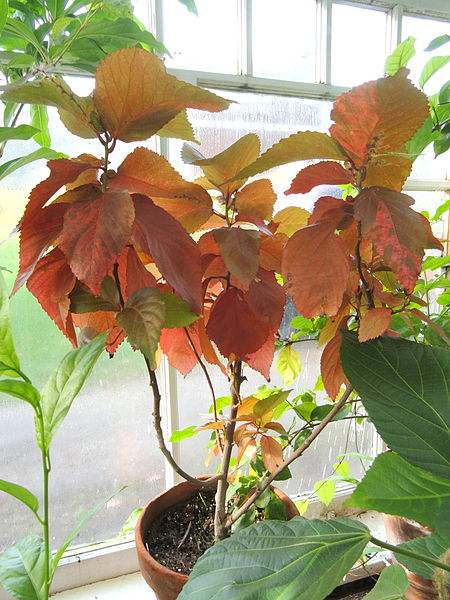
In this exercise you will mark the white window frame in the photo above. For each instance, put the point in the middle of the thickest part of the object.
(114, 558)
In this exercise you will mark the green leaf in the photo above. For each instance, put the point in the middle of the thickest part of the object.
(435, 262)
(21, 493)
(18, 29)
(401, 56)
(3, 13)
(20, 389)
(305, 410)
(404, 387)
(178, 313)
(22, 132)
(431, 67)
(325, 490)
(444, 207)
(16, 163)
(393, 486)
(76, 530)
(299, 559)
(8, 356)
(302, 505)
(130, 523)
(275, 509)
(190, 5)
(432, 546)
(183, 434)
(22, 569)
(443, 521)
(64, 384)
(438, 42)
(391, 584)
(39, 119)
(82, 300)
(288, 364)
(342, 468)
(304, 145)
(142, 319)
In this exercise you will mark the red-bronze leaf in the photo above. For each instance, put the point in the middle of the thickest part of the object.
(95, 232)
(323, 173)
(378, 117)
(133, 275)
(398, 233)
(262, 359)
(330, 367)
(36, 236)
(240, 251)
(175, 253)
(374, 323)
(97, 322)
(335, 212)
(271, 252)
(256, 199)
(234, 327)
(51, 283)
(176, 346)
(266, 298)
(271, 453)
(315, 269)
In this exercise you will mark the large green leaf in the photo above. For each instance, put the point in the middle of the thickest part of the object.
(16, 163)
(296, 560)
(64, 384)
(3, 13)
(20, 389)
(404, 387)
(432, 546)
(400, 57)
(178, 313)
(22, 569)
(142, 319)
(8, 356)
(39, 119)
(393, 486)
(21, 132)
(431, 67)
(304, 145)
(391, 584)
(21, 493)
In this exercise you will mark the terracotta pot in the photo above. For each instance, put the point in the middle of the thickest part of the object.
(166, 583)
(398, 531)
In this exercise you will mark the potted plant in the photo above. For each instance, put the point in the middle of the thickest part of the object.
(113, 253)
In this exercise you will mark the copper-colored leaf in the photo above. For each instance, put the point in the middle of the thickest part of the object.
(226, 165)
(374, 323)
(175, 253)
(323, 173)
(239, 249)
(388, 170)
(142, 319)
(176, 346)
(146, 172)
(36, 236)
(266, 298)
(398, 232)
(304, 145)
(271, 453)
(271, 252)
(209, 353)
(95, 232)
(136, 97)
(256, 199)
(335, 212)
(291, 219)
(262, 359)
(330, 367)
(234, 327)
(333, 324)
(315, 270)
(50, 283)
(179, 127)
(133, 275)
(378, 117)
(96, 322)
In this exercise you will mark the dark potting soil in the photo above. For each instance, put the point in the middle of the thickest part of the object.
(183, 533)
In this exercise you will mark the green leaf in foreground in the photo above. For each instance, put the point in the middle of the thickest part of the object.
(20, 389)
(391, 585)
(438, 42)
(21, 493)
(64, 384)
(178, 313)
(16, 163)
(404, 387)
(8, 356)
(432, 546)
(21, 132)
(400, 56)
(22, 569)
(183, 434)
(393, 486)
(299, 559)
(431, 67)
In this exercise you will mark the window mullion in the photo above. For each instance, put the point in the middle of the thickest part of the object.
(323, 49)
(394, 28)
(156, 19)
(245, 51)
(170, 416)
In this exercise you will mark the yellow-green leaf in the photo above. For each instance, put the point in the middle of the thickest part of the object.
(288, 365)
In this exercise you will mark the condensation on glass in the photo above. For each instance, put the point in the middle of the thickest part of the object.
(358, 44)
(284, 39)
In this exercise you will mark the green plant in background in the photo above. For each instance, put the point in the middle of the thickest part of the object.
(57, 36)
(28, 567)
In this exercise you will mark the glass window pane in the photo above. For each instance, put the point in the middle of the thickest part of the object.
(207, 42)
(358, 44)
(425, 30)
(284, 40)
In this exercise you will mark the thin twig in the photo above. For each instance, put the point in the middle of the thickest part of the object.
(160, 436)
(300, 450)
(366, 286)
(185, 535)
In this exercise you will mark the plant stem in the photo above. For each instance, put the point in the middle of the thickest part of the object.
(45, 521)
(221, 527)
(300, 450)
(366, 286)
(160, 435)
(410, 554)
